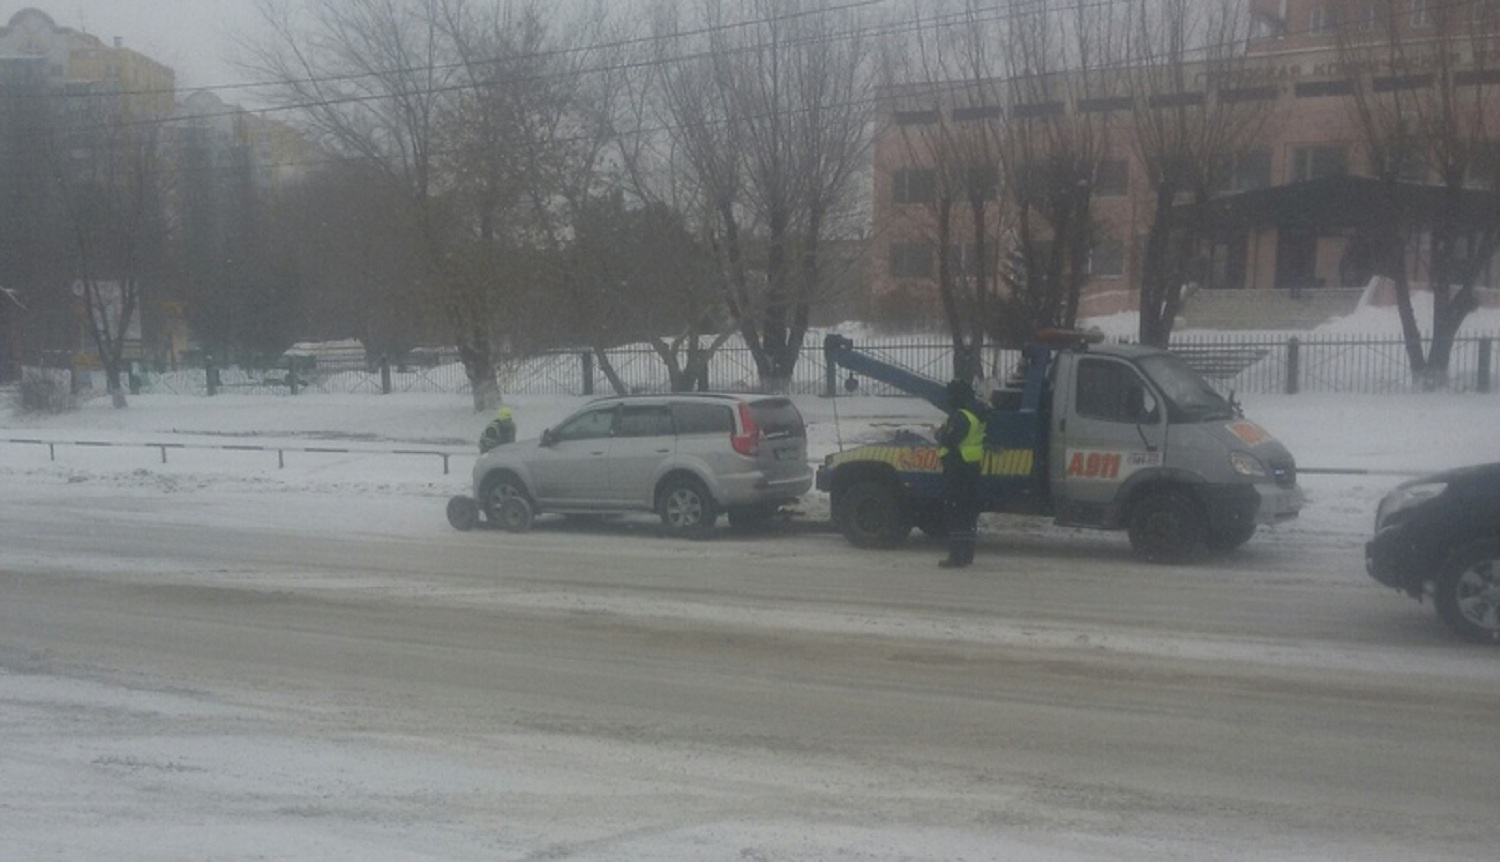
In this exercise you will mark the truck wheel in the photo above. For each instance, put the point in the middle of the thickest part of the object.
(1166, 527)
(496, 488)
(686, 508)
(872, 517)
(1468, 592)
(1224, 541)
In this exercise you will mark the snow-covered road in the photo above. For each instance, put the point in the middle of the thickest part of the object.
(219, 657)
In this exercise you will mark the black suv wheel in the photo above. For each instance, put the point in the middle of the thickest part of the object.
(1468, 592)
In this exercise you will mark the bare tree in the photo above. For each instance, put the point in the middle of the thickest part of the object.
(772, 116)
(674, 296)
(113, 203)
(377, 79)
(1065, 94)
(347, 230)
(35, 306)
(942, 106)
(1182, 56)
(1426, 92)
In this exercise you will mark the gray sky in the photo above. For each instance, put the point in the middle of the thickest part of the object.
(192, 36)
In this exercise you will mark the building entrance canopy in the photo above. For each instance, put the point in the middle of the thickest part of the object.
(1341, 202)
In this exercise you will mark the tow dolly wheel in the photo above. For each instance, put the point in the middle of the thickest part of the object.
(463, 513)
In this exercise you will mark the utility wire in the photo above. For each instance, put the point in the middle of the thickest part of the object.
(910, 90)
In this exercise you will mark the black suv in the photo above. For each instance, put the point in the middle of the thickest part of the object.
(1440, 535)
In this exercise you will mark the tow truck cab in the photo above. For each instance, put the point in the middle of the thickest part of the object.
(1101, 436)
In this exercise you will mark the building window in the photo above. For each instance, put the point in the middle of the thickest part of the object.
(976, 113)
(1112, 178)
(1107, 259)
(914, 185)
(976, 182)
(1321, 20)
(1484, 167)
(1245, 171)
(1311, 163)
(964, 260)
(915, 118)
(1421, 13)
(911, 260)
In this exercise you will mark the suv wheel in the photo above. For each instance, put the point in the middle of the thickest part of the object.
(686, 508)
(496, 488)
(871, 515)
(1468, 592)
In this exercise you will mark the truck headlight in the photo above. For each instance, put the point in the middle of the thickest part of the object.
(1407, 496)
(1246, 464)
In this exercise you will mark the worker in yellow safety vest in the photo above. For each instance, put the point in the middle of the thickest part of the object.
(961, 448)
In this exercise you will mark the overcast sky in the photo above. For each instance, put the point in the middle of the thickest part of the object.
(194, 37)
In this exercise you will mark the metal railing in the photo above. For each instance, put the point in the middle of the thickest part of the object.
(1271, 364)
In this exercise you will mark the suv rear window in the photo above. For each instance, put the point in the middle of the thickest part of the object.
(693, 418)
(778, 417)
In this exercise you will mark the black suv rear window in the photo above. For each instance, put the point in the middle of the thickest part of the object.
(693, 418)
(778, 417)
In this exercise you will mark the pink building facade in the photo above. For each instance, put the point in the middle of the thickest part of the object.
(1295, 67)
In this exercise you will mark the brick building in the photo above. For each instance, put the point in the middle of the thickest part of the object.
(1307, 68)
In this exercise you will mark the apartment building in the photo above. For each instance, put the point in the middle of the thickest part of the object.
(1307, 70)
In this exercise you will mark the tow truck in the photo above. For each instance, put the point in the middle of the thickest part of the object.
(1105, 436)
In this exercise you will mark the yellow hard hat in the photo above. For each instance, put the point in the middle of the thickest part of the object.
(503, 413)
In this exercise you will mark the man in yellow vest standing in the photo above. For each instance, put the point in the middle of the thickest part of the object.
(961, 447)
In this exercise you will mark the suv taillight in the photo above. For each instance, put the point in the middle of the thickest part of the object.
(748, 441)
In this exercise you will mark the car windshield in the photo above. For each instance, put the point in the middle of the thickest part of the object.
(778, 417)
(1189, 397)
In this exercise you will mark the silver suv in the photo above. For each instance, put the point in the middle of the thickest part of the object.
(687, 457)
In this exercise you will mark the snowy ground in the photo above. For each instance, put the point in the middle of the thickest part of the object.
(1379, 439)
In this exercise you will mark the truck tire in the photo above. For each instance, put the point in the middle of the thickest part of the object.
(872, 516)
(1468, 592)
(1224, 541)
(1166, 527)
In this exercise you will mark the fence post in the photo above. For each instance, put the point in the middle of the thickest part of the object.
(588, 371)
(1486, 345)
(211, 376)
(385, 374)
(830, 377)
(1293, 364)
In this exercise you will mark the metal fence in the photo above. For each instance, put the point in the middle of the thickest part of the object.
(1270, 364)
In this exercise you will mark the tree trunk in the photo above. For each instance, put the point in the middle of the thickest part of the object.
(1155, 327)
(610, 374)
(479, 367)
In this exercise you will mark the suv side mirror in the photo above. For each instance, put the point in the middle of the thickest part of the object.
(549, 437)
